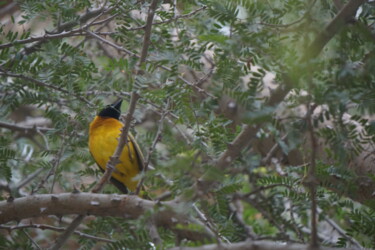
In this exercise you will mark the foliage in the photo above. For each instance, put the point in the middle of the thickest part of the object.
(208, 69)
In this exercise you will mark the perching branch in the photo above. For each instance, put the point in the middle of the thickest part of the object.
(113, 205)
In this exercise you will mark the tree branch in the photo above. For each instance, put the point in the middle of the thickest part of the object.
(152, 148)
(24, 129)
(53, 228)
(345, 14)
(43, 84)
(147, 35)
(105, 205)
(255, 245)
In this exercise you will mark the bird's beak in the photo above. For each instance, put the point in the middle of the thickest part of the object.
(117, 104)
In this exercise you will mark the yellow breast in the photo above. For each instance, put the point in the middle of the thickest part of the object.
(103, 140)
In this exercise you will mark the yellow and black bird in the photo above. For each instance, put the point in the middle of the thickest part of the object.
(103, 140)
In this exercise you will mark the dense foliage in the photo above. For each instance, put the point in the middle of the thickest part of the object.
(213, 69)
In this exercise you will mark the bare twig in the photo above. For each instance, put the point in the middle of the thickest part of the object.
(29, 178)
(56, 163)
(286, 25)
(237, 209)
(209, 226)
(31, 239)
(154, 234)
(53, 228)
(147, 35)
(44, 85)
(262, 188)
(254, 245)
(63, 27)
(68, 232)
(194, 12)
(52, 171)
(341, 231)
(272, 151)
(152, 148)
(24, 129)
(175, 18)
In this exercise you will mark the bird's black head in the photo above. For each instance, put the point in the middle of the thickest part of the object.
(113, 110)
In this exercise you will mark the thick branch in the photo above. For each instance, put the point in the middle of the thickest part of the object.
(345, 14)
(255, 245)
(124, 206)
(68, 203)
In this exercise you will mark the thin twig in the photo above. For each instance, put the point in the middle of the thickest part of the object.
(306, 14)
(272, 151)
(262, 188)
(57, 229)
(209, 227)
(154, 234)
(340, 230)
(56, 163)
(69, 231)
(63, 27)
(52, 170)
(147, 35)
(28, 178)
(31, 239)
(236, 205)
(43, 84)
(24, 129)
(152, 148)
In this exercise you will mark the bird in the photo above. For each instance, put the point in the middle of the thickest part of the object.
(104, 132)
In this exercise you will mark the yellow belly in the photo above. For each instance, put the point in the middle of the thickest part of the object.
(103, 140)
